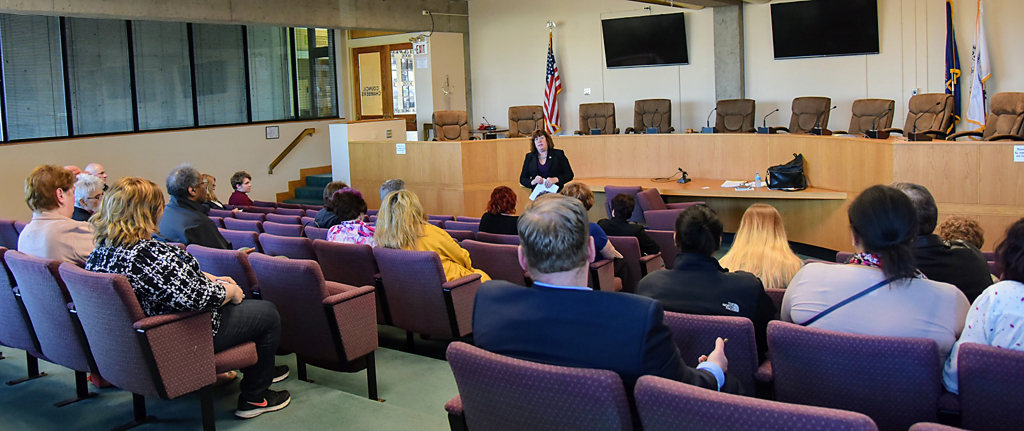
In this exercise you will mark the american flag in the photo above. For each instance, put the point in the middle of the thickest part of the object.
(552, 86)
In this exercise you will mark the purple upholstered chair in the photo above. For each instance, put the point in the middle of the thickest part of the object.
(298, 212)
(222, 213)
(264, 204)
(243, 225)
(217, 221)
(501, 393)
(256, 209)
(666, 240)
(288, 246)
(354, 265)
(19, 226)
(438, 223)
(8, 235)
(227, 263)
(15, 327)
(637, 266)
(468, 219)
(658, 214)
(314, 208)
(315, 233)
(371, 218)
(695, 335)
(242, 239)
(928, 426)
(500, 261)
(666, 405)
(494, 238)
(419, 297)
(326, 324)
(282, 229)
(990, 380)
(894, 380)
(462, 225)
(461, 235)
(602, 276)
(251, 216)
(285, 205)
(47, 303)
(284, 218)
(776, 295)
(147, 355)
(308, 221)
(843, 256)
(612, 191)
(440, 217)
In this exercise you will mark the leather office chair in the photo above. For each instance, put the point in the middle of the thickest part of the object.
(870, 114)
(451, 126)
(1005, 122)
(932, 113)
(808, 112)
(597, 116)
(523, 120)
(734, 116)
(655, 113)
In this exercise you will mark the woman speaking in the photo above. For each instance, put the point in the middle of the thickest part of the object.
(544, 164)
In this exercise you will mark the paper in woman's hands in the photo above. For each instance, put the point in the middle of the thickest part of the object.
(541, 189)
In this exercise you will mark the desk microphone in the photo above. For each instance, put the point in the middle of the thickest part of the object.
(914, 136)
(874, 133)
(684, 179)
(707, 128)
(764, 130)
(488, 124)
(817, 129)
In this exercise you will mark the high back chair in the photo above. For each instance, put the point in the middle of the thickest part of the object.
(15, 326)
(611, 191)
(451, 126)
(990, 381)
(1004, 122)
(524, 120)
(500, 261)
(652, 113)
(600, 116)
(637, 265)
(695, 335)
(354, 265)
(243, 225)
(666, 240)
(929, 114)
(240, 239)
(287, 246)
(808, 112)
(734, 116)
(869, 114)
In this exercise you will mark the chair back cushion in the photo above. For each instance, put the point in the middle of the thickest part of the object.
(283, 229)
(256, 216)
(695, 336)
(663, 219)
(500, 261)
(776, 295)
(990, 381)
(315, 233)
(894, 380)
(226, 263)
(284, 219)
(46, 301)
(460, 235)
(241, 239)
(412, 281)
(523, 120)
(734, 116)
(650, 199)
(495, 238)
(652, 113)
(451, 125)
(503, 393)
(629, 248)
(221, 213)
(15, 327)
(463, 225)
(931, 111)
(871, 113)
(666, 240)
(597, 116)
(612, 191)
(243, 225)
(351, 264)
(666, 405)
(1006, 116)
(289, 211)
(806, 113)
(287, 246)
(8, 234)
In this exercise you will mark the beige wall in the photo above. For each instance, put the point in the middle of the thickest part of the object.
(509, 48)
(218, 151)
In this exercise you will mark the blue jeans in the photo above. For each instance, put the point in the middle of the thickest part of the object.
(257, 321)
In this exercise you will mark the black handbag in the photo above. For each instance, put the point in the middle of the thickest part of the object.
(789, 177)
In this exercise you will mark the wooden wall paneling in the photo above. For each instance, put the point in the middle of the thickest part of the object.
(1003, 180)
(950, 171)
(736, 158)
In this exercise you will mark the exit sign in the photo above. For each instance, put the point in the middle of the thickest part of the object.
(419, 48)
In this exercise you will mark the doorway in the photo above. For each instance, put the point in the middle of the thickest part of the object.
(385, 83)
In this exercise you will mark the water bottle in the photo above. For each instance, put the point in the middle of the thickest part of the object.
(757, 179)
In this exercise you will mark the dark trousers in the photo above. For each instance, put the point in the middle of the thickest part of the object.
(257, 321)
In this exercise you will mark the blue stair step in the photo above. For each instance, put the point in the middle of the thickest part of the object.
(320, 180)
(305, 201)
(307, 192)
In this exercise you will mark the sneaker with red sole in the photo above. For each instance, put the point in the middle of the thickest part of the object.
(268, 401)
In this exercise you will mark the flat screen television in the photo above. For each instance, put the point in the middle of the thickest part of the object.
(819, 28)
(649, 40)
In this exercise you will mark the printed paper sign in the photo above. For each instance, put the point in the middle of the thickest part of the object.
(1018, 153)
(399, 148)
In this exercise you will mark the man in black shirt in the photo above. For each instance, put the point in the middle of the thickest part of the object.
(185, 218)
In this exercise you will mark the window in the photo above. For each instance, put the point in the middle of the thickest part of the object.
(220, 74)
(314, 64)
(99, 81)
(270, 73)
(163, 79)
(403, 82)
(33, 76)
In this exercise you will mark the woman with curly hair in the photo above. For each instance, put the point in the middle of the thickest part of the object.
(499, 218)
(348, 206)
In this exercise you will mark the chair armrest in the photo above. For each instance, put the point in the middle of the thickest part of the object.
(602, 275)
(454, 405)
(151, 322)
(578, 133)
(1005, 137)
(616, 131)
(355, 312)
(182, 349)
(781, 129)
(630, 130)
(953, 137)
(892, 130)
(840, 132)
(670, 129)
(938, 133)
(463, 293)
(680, 205)
(764, 372)
(651, 263)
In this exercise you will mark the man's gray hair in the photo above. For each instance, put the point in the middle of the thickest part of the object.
(924, 204)
(86, 185)
(554, 234)
(181, 178)
(392, 185)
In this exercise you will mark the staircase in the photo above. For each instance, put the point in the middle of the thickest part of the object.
(309, 189)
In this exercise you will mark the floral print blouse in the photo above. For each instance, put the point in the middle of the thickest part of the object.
(351, 232)
(995, 319)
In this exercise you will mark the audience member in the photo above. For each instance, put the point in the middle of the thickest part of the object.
(619, 225)
(392, 185)
(960, 228)
(99, 171)
(997, 317)
(558, 321)
(325, 218)
(580, 191)
(52, 234)
(954, 262)
(211, 196)
(402, 224)
(544, 164)
(697, 284)
(241, 182)
(500, 218)
(901, 303)
(348, 206)
(166, 279)
(185, 219)
(74, 170)
(761, 247)
(88, 193)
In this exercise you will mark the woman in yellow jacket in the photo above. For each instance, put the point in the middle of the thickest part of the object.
(402, 224)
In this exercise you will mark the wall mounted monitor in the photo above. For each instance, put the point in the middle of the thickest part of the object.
(821, 28)
(649, 40)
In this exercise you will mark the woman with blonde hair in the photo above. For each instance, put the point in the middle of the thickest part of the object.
(211, 198)
(761, 248)
(402, 224)
(166, 279)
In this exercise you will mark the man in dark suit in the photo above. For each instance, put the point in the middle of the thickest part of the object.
(954, 262)
(558, 321)
(185, 218)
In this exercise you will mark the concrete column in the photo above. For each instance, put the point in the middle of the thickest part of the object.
(729, 79)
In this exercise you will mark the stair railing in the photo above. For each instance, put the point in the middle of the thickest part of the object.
(287, 150)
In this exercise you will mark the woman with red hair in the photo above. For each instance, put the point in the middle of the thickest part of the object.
(499, 217)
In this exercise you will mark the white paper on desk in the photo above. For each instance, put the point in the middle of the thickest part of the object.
(540, 189)
(732, 184)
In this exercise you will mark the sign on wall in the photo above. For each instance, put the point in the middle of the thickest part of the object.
(371, 96)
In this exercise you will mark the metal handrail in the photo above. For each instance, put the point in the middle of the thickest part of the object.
(280, 157)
